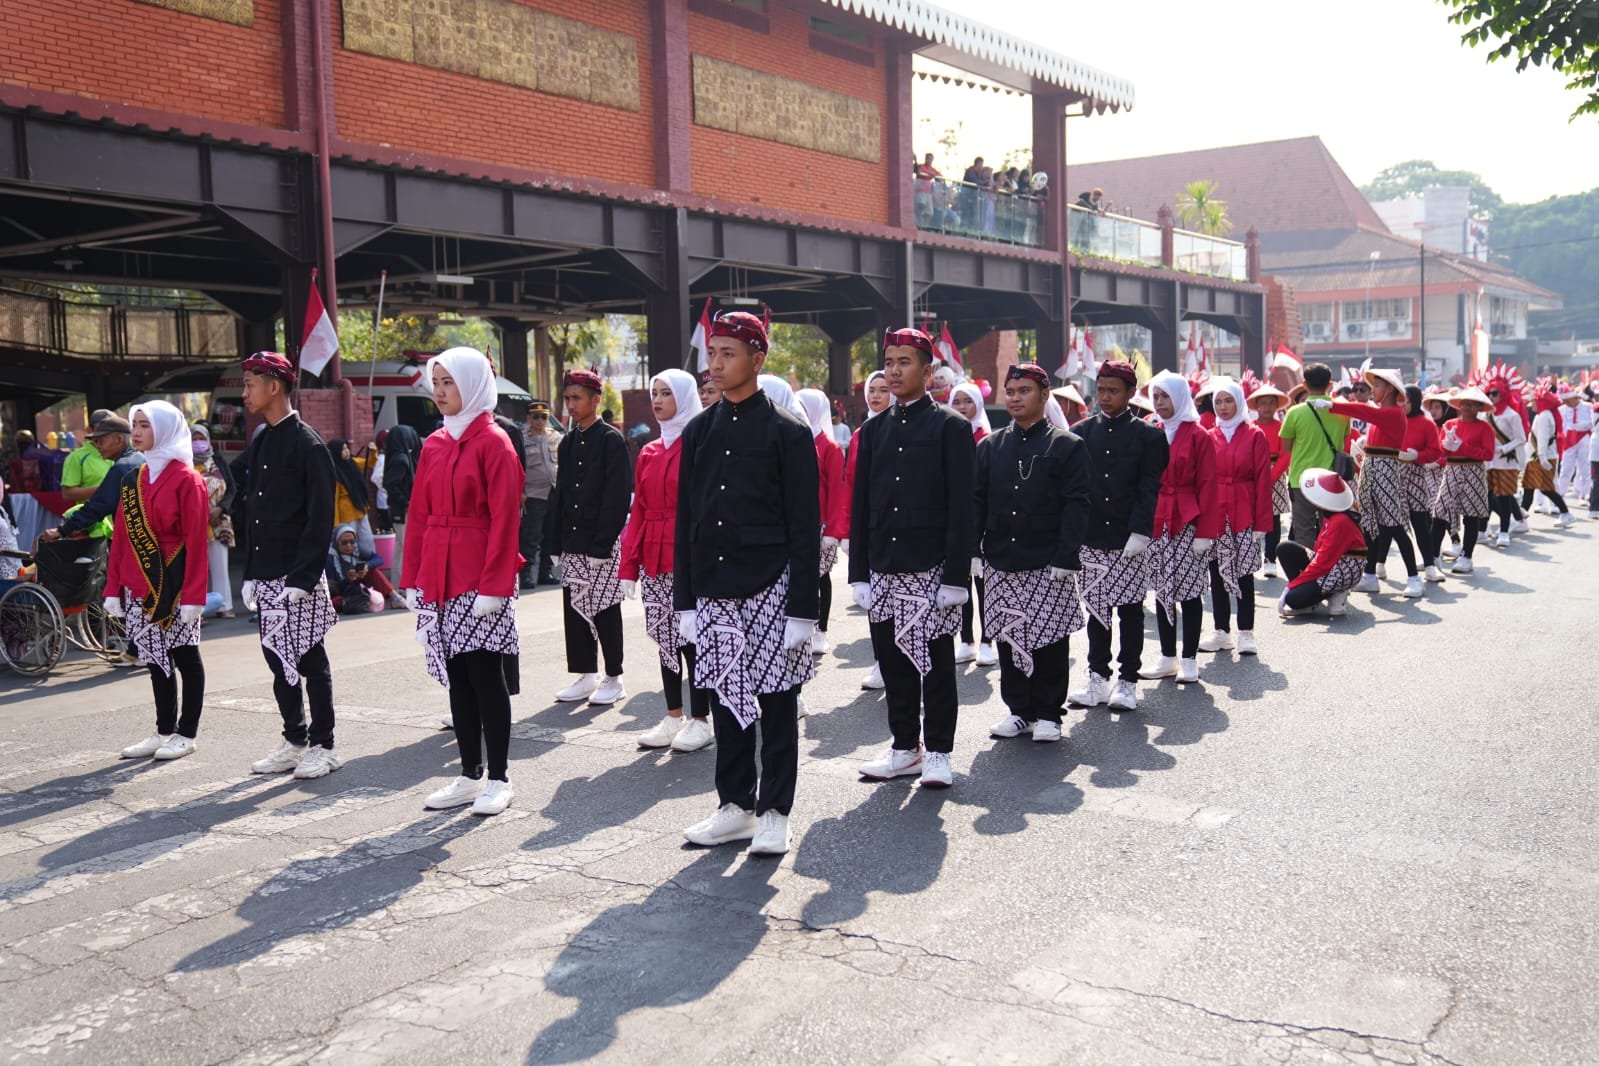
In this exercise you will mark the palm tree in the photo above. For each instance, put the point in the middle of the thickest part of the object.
(1198, 209)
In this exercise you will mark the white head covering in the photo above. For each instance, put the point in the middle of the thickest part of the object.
(814, 401)
(686, 391)
(171, 431)
(474, 376)
(1175, 386)
(972, 393)
(871, 414)
(1236, 391)
(781, 395)
(1054, 415)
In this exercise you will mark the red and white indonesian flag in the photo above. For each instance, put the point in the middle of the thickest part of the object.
(319, 342)
(946, 349)
(699, 357)
(1191, 356)
(1080, 360)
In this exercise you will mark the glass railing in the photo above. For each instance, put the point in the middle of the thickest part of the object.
(1110, 236)
(961, 209)
(1196, 253)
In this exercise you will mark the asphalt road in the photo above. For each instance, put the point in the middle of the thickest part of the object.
(1375, 843)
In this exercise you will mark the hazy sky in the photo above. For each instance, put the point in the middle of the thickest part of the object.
(1380, 81)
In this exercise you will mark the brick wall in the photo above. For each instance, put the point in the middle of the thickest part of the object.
(138, 54)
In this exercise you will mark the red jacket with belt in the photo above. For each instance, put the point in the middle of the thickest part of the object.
(651, 534)
(1421, 434)
(831, 492)
(1188, 485)
(849, 480)
(1243, 478)
(465, 515)
(1272, 430)
(179, 512)
(1386, 425)
(1477, 440)
(1340, 534)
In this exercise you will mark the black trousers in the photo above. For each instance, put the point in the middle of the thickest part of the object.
(672, 686)
(1502, 506)
(1274, 537)
(1221, 601)
(911, 697)
(1388, 537)
(973, 606)
(481, 707)
(581, 655)
(1305, 520)
(771, 788)
(1593, 489)
(531, 538)
(1193, 616)
(1428, 542)
(317, 675)
(186, 665)
(824, 601)
(1042, 696)
(1130, 624)
(1554, 496)
(1294, 558)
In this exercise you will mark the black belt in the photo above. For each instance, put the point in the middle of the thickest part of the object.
(1452, 461)
(1382, 453)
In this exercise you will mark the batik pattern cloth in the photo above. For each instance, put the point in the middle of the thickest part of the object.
(660, 621)
(1028, 610)
(1463, 490)
(1176, 574)
(454, 630)
(149, 641)
(739, 653)
(1110, 580)
(289, 630)
(1237, 556)
(1381, 494)
(1343, 576)
(910, 601)
(594, 586)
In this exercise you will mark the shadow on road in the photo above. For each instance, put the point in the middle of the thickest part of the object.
(893, 842)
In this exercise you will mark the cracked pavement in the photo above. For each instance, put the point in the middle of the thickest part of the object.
(1373, 844)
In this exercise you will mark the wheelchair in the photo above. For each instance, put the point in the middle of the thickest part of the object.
(55, 601)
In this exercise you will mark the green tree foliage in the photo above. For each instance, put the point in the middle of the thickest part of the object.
(1560, 34)
(1555, 243)
(1416, 175)
(1201, 210)
(422, 333)
(798, 355)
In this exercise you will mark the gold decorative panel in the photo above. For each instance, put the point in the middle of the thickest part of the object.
(502, 41)
(238, 12)
(757, 104)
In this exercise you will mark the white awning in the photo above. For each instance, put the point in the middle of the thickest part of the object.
(991, 53)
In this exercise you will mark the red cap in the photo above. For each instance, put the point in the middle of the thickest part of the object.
(741, 326)
(1030, 371)
(908, 338)
(586, 379)
(1115, 368)
(271, 364)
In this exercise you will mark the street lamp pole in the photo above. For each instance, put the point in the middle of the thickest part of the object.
(1366, 329)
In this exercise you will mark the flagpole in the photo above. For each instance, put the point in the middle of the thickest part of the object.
(377, 326)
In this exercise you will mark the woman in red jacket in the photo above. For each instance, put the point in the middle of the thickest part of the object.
(878, 400)
(1243, 492)
(1419, 473)
(1187, 521)
(967, 400)
(1330, 569)
(1266, 402)
(1468, 442)
(156, 576)
(835, 511)
(461, 565)
(648, 541)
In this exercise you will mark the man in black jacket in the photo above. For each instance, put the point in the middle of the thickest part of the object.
(910, 557)
(288, 509)
(1126, 457)
(593, 488)
(1032, 509)
(747, 546)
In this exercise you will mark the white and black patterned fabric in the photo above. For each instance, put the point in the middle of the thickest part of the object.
(660, 621)
(454, 630)
(1028, 610)
(1380, 494)
(1343, 576)
(289, 630)
(910, 601)
(829, 557)
(1463, 490)
(1420, 483)
(1176, 574)
(593, 588)
(1237, 555)
(1281, 502)
(152, 643)
(1109, 580)
(739, 654)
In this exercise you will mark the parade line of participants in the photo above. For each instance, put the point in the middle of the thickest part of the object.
(731, 525)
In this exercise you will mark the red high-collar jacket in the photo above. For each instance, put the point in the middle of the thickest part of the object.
(465, 515)
(179, 512)
(1243, 478)
(650, 537)
(1188, 485)
(831, 491)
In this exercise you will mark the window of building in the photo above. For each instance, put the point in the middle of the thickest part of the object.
(1316, 320)
(1379, 311)
(858, 38)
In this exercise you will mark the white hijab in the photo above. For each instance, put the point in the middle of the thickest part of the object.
(1175, 386)
(781, 395)
(686, 391)
(972, 393)
(815, 403)
(871, 414)
(1229, 426)
(170, 429)
(474, 376)
(1054, 414)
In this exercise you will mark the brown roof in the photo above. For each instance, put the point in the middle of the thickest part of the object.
(1274, 186)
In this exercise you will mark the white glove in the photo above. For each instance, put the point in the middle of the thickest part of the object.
(295, 595)
(862, 593)
(113, 607)
(555, 562)
(1408, 455)
(951, 596)
(1059, 573)
(686, 624)
(483, 606)
(1259, 535)
(1321, 403)
(1202, 545)
(190, 612)
(1136, 543)
(629, 589)
(1451, 442)
(797, 633)
(413, 599)
(977, 566)
(596, 562)
(247, 594)
(829, 543)
(1282, 603)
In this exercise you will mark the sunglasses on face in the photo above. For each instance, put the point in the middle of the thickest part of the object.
(540, 418)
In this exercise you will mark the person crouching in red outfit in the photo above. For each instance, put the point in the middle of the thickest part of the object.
(1333, 567)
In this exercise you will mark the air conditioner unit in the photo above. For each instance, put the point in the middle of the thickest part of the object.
(1354, 329)
(1318, 329)
(1393, 326)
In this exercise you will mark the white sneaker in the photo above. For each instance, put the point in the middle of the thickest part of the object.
(1165, 666)
(457, 793)
(819, 643)
(280, 760)
(610, 690)
(318, 762)
(1463, 565)
(895, 764)
(1095, 695)
(665, 731)
(800, 710)
(1269, 570)
(1449, 551)
(1125, 698)
(176, 748)
(495, 797)
(771, 835)
(1382, 571)
(694, 736)
(964, 653)
(1219, 640)
(1367, 583)
(1045, 732)
(1413, 590)
(935, 770)
(1519, 525)
(1593, 516)
(1008, 727)
(1502, 540)
(447, 721)
(874, 680)
(730, 823)
(146, 747)
(1338, 604)
(1187, 671)
(987, 654)
(1566, 519)
(581, 689)
(1246, 643)
(1433, 573)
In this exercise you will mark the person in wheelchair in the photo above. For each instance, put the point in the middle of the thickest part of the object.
(156, 577)
(112, 437)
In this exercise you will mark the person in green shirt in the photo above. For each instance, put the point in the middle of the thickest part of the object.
(1309, 447)
(88, 465)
